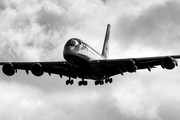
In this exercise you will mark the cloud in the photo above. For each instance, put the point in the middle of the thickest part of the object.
(151, 96)
(45, 26)
(23, 28)
(41, 28)
(141, 98)
(133, 101)
(166, 95)
(23, 102)
(158, 25)
(37, 31)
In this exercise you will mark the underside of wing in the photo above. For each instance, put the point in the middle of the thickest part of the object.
(120, 66)
(39, 68)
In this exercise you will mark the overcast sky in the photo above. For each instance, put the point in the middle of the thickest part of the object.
(36, 30)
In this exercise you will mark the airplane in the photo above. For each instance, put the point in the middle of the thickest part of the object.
(82, 61)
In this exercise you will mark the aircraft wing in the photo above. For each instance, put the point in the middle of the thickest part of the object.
(61, 68)
(112, 67)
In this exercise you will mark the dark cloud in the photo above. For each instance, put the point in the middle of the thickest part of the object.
(2, 5)
(50, 19)
(104, 1)
(156, 26)
(40, 27)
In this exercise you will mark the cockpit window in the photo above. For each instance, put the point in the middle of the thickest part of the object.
(72, 42)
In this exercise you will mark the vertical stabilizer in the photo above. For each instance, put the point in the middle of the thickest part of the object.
(105, 50)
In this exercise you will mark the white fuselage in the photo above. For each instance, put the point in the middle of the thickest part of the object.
(80, 55)
(76, 47)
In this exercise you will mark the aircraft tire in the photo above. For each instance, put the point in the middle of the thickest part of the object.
(80, 83)
(106, 81)
(71, 82)
(101, 82)
(96, 82)
(110, 80)
(67, 82)
(85, 83)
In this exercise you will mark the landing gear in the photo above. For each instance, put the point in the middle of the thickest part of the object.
(99, 82)
(108, 80)
(69, 81)
(83, 82)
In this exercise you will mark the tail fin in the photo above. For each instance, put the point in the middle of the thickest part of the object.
(105, 50)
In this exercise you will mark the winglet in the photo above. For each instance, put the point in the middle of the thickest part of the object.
(105, 50)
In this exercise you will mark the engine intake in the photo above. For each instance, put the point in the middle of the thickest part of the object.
(8, 69)
(168, 63)
(129, 66)
(37, 69)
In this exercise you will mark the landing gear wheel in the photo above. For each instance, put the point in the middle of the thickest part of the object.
(80, 83)
(110, 80)
(85, 83)
(96, 82)
(106, 81)
(101, 82)
(69, 81)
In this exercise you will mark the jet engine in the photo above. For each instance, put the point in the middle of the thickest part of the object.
(37, 69)
(169, 63)
(8, 69)
(129, 66)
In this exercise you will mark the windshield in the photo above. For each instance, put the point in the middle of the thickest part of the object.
(72, 42)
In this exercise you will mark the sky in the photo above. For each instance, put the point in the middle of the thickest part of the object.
(36, 30)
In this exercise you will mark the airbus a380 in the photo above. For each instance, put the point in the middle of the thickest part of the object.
(82, 61)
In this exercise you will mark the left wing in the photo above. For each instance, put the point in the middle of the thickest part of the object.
(38, 68)
(112, 67)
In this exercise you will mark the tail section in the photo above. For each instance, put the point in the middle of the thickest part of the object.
(105, 50)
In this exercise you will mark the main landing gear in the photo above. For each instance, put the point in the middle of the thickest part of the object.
(108, 80)
(69, 81)
(83, 82)
(80, 83)
(101, 82)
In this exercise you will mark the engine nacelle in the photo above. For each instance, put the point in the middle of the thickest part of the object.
(168, 63)
(129, 66)
(8, 69)
(37, 69)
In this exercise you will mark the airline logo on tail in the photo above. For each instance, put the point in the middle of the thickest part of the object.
(105, 50)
